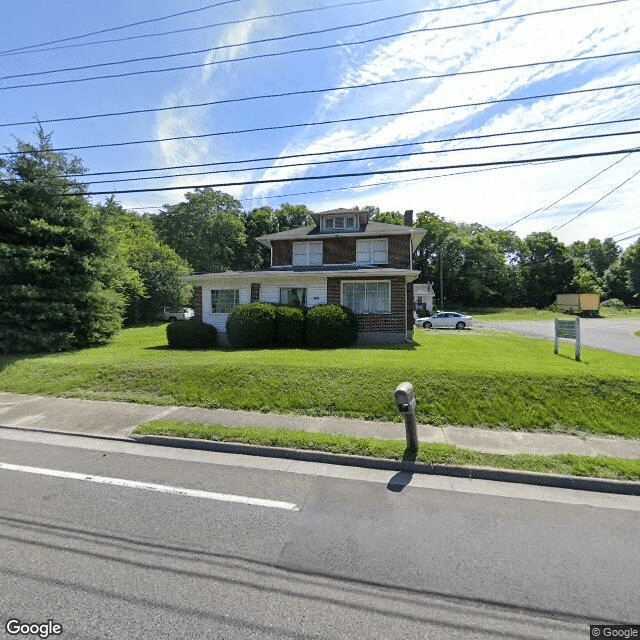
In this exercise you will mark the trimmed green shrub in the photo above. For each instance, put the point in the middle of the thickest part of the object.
(331, 325)
(290, 324)
(191, 334)
(252, 325)
(614, 303)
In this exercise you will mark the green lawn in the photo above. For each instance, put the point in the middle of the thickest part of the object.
(529, 313)
(468, 378)
(567, 464)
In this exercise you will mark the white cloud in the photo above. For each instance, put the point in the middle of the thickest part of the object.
(502, 195)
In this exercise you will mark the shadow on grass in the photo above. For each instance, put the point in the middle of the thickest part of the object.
(9, 359)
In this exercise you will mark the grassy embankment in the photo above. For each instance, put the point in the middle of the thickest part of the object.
(507, 314)
(470, 378)
(594, 467)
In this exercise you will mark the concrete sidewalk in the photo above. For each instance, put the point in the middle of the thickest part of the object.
(121, 418)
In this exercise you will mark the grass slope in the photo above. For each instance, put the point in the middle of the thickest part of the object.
(470, 378)
(594, 467)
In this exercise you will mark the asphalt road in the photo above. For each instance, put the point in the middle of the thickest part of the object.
(610, 334)
(339, 553)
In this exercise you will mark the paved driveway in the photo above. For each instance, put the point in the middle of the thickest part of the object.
(610, 334)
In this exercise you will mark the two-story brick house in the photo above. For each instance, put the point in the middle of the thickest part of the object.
(343, 259)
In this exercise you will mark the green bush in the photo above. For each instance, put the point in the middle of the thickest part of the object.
(614, 303)
(252, 325)
(191, 334)
(331, 325)
(290, 324)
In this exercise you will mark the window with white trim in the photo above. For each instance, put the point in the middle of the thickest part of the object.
(374, 251)
(307, 254)
(294, 297)
(370, 296)
(224, 300)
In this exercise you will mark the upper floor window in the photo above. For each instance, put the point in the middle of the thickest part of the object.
(307, 254)
(339, 223)
(375, 251)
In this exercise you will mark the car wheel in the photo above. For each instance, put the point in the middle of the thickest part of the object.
(461, 325)
(426, 325)
(172, 319)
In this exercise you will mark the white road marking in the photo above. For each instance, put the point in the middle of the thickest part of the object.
(119, 482)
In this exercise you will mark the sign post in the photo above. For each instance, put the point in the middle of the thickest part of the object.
(569, 329)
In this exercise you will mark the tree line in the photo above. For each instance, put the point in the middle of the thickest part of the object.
(73, 272)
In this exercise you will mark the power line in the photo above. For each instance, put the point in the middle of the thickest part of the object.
(323, 90)
(367, 186)
(606, 195)
(623, 232)
(301, 50)
(635, 235)
(125, 26)
(206, 26)
(337, 121)
(566, 195)
(358, 149)
(289, 36)
(370, 173)
(379, 157)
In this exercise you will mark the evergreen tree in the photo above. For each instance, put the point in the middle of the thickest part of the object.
(54, 258)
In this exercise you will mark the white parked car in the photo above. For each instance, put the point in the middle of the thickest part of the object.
(445, 320)
(178, 314)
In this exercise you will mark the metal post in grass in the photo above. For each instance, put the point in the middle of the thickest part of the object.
(406, 405)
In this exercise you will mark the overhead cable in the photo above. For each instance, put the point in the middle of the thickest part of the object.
(566, 195)
(379, 157)
(358, 149)
(280, 53)
(215, 24)
(124, 26)
(623, 232)
(606, 195)
(179, 54)
(323, 90)
(337, 121)
(522, 161)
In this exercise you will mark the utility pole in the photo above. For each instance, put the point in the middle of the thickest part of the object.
(441, 285)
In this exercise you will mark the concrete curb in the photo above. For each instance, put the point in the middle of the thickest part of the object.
(602, 485)
(578, 483)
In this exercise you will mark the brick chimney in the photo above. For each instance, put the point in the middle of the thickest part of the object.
(408, 218)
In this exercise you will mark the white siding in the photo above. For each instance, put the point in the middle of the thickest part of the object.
(270, 294)
(316, 293)
(219, 320)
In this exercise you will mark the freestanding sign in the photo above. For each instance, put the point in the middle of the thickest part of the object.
(569, 329)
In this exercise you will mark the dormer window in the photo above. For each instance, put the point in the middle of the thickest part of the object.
(339, 223)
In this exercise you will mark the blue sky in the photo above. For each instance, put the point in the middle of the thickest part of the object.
(431, 41)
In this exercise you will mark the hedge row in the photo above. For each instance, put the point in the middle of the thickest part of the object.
(260, 324)
(191, 334)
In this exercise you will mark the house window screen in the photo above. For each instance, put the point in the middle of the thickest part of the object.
(307, 254)
(372, 251)
(224, 300)
(295, 297)
(367, 297)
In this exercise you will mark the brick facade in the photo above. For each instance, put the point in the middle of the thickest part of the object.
(282, 252)
(343, 251)
(338, 250)
(393, 322)
(197, 303)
